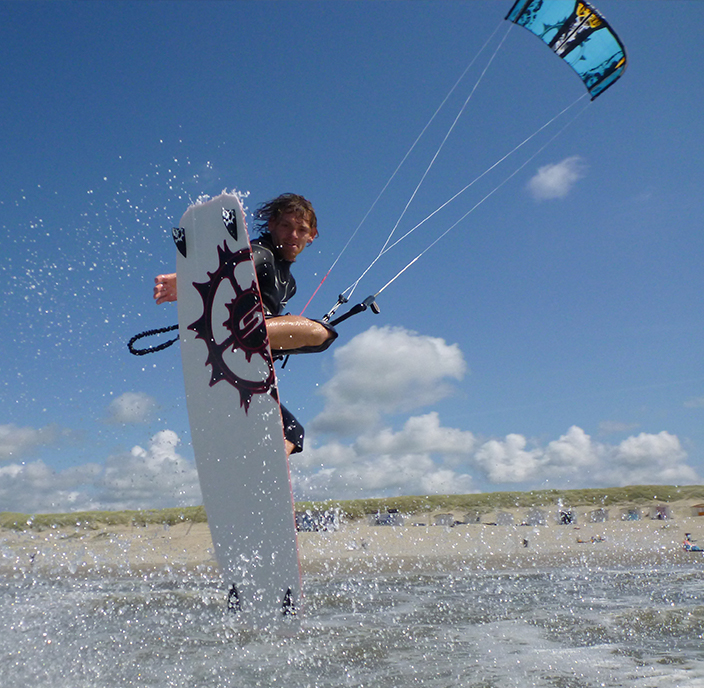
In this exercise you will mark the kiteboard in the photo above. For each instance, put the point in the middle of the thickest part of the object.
(234, 414)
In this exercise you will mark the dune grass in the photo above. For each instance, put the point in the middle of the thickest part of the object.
(97, 519)
(358, 508)
(488, 501)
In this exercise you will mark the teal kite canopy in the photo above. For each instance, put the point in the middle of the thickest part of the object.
(579, 34)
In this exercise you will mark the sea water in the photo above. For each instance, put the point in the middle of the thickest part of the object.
(571, 628)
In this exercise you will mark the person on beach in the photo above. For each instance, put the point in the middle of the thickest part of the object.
(287, 225)
(689, 546)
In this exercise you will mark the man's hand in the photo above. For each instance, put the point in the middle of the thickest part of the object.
(165, 288)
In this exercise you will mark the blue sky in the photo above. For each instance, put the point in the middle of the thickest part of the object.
(551, 339)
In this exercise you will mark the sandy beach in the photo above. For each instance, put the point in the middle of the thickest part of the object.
(360, 548)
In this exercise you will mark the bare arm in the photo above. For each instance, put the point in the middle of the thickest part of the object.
(294, 331)
(165, 288)
(285, 332)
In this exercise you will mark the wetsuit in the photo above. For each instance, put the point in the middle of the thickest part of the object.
(276, 282)
(277, 286)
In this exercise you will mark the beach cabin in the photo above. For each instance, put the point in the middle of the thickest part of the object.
(305, 522)
(535, 517)
(315, 521)
(598, 516)
(698, 510)
(473, 517)
(661, 512)
(503, 518)
(631, 514)
(444, 520)
(391, 518)
(566, 517)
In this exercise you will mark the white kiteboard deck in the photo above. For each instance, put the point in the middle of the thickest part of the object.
(234, 414)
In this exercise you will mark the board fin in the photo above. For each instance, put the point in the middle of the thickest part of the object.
(229, 218)
(179, 235)
(288, 606)
(233, 600)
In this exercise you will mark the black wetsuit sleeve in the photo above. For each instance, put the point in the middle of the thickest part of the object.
(276, 282)
(266, 276)
(293, 430)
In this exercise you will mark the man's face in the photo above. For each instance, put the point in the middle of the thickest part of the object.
(291, 234)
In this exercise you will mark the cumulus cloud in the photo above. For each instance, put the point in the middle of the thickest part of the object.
(649, 458)
(374, 475)
(36, 488)
(386, 370)
(379, 373)
(17, 442)
(354, 449)
(422, 458)
(576, 459)
(420, 434)
(556, 180)
(144, 478)
(508, 461)
(157, 476)
(131, 407)
(370, 440)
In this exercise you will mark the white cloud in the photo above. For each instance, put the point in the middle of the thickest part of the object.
(648, 458)
(332, 453)
(154, 477)
(353, 450)
(157, 476)
(448, 460)
(131, 407)
(386, 370)
(333, 470)
(573, 453)
(17, 442)
(421, 458)
(576, 460)
(694, 402)
(422, 434)
(556, 180)
(36, 488)
(357, 446)
(509, 461)
(381, 475)
(381, 372)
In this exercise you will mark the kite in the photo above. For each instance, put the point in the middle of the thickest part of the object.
(579, 34)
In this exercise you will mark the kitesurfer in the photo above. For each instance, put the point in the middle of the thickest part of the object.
(288, 225)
